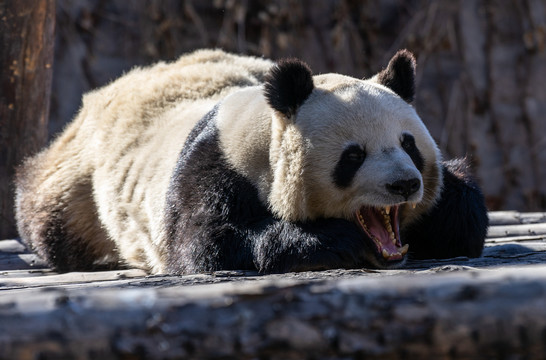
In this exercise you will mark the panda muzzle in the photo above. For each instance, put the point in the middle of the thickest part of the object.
(381, 225)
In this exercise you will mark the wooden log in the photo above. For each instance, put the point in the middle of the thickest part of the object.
(512, 236)
(447, 315)
(11, 247)
(515, 239)
(497, 253)
(517, 230)
(515, 217)
(14, 256)
(489, 307)
(26, 57)
(20, 262)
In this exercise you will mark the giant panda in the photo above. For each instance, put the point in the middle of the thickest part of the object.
(218, 161)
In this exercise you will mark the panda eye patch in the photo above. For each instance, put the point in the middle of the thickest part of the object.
(408, 144)
(349, 162)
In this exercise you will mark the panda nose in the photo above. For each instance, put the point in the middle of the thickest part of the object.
(404, 187)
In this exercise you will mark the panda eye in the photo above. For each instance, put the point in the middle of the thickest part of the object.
(354, 154)
(408, 142)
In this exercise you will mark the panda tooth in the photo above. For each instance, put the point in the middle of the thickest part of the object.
(404, 249)
(414, 205)
(362, 221)
(385, 254)
(387, 210)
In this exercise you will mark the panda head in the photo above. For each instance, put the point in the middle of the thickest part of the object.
(348, 148)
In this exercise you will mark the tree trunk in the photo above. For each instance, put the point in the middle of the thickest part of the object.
(26, 57)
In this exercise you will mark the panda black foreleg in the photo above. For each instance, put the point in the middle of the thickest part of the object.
(456, 225)
(316, 245)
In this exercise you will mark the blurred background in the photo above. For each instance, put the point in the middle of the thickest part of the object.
(480, 79)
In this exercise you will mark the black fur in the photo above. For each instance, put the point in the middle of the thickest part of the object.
(399, 75)
(56, 248)
(287, 85)
(405, 187)
(350, 161)
(65, 253)
(45, 228)
(408, 144)
(215, 221)
(456, 225)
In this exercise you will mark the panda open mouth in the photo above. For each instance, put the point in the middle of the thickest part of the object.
(382, 226)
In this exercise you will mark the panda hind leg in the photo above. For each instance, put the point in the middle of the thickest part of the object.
(57, 219)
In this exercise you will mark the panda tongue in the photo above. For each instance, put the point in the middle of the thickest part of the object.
(374, 221)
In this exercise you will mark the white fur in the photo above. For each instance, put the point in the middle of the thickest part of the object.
(110, 170)
(291, 161)
(368, 114)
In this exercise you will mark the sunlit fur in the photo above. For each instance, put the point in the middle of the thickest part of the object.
(96, 195)
(103, 180)
(291, 160)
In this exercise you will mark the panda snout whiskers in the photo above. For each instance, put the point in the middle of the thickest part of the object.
(405, 188)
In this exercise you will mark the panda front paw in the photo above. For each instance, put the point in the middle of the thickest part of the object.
(318, 245)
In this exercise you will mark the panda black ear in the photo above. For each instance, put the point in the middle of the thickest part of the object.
(287, 85)
(399, 76)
